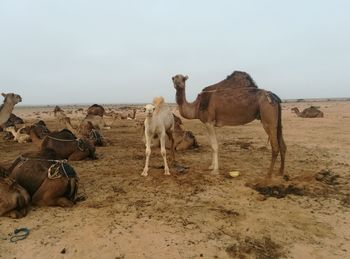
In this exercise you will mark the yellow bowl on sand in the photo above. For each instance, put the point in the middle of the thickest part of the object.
(234, 173)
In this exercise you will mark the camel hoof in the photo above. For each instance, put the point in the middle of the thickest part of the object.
(166, 172)
(211, 167)
(215, 171)
(144, 173)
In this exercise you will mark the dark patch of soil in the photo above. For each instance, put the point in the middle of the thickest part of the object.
(279, 191)
(346, 200)
(327, 176)
(260, 249)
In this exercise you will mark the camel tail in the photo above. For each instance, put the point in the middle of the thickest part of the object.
(73, 186)
(281, 143)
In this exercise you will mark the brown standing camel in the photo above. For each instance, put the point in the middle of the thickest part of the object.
(6, 108)
(311, 112)
(234, 101)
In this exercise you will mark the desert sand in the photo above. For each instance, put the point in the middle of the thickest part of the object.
(196, 214)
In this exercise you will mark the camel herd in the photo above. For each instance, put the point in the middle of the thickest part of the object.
(45, 178)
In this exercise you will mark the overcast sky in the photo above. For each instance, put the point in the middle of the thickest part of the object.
(67, 51)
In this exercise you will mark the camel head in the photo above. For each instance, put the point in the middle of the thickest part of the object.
(149, 109)
(12, 98)
(295, 109)
(179, 81)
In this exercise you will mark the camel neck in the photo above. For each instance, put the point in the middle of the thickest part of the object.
(5, 112)
(187, 110)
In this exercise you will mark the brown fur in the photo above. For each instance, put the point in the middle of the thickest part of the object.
(66, 145)
(236, 101)
(96, 109)
(14, 199)
(30, 170)
(87, 130)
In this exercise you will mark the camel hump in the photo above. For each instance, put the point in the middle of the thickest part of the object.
(97, 106)
(241, 79)
(237, 79)
(158, 101)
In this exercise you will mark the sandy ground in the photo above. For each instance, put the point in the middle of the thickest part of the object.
(197, 214)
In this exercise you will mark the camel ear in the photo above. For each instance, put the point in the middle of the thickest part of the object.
(185, 78)
(4, 95)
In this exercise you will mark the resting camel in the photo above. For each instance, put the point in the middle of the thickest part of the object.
(96, 109)
(183, 139)
(159, 121)
(14, 199)
(66, 145)
(234, 101)
(6, 108)
(38, 129)
(97, 121)
(311, 112)
(12, 121)
(125, 115)
(48, 180)
(86, 130)
(17, 135)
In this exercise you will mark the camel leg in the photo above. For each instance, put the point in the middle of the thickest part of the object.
(77, 156)
(215, 148)
(51, 193)
(172, 147)
(283, 150)
(163, 152)
(64, 202)
(14, 214)
(272, 134)
(148, 154)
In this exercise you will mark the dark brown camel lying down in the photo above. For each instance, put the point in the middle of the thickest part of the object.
(14, 199)
(66, 145)
(48, 180)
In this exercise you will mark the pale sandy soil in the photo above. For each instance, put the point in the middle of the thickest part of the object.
(196, 214)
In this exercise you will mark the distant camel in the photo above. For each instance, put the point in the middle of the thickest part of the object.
(234, 101)
(96, 109)
(159, 121)
(97, 121)
(124, 115)
(6, 108)
(59, 114)
(311, 112)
